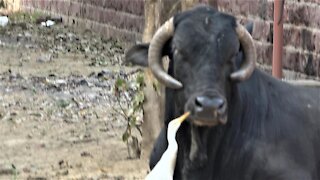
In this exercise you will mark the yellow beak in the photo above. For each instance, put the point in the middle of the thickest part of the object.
(182, 118)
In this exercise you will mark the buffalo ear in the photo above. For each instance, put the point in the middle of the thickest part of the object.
(138, 55)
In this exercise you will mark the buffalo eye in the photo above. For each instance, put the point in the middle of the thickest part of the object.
(176, 52)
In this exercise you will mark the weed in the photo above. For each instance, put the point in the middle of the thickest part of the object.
(132, 93)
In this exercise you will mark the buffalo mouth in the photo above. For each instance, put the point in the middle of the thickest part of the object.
(213, 121)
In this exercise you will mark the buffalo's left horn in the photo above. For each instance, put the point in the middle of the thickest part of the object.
(163, 34)
(249, 63)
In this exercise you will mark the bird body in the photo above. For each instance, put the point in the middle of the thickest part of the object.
(164, 169)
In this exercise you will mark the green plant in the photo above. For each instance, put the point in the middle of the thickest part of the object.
(62, 103)
(132, 93)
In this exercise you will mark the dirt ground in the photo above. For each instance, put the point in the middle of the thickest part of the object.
(57, 118)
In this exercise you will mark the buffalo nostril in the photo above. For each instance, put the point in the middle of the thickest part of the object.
(199, 101)
(204, 102)
(218, 103)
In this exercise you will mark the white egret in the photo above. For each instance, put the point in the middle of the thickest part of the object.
(164, 169)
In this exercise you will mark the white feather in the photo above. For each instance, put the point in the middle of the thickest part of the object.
(164, 169)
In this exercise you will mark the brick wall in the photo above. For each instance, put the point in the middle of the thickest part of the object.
(301, 30)
(124, 19)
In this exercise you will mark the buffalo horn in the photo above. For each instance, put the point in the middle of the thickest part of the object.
(163, 34)
(249, 63)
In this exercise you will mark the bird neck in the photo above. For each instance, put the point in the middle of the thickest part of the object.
(171, 137)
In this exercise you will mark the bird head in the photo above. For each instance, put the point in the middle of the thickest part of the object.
(174, 126)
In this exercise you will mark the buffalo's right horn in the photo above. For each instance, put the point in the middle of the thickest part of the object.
(163, 34)
(249, 63)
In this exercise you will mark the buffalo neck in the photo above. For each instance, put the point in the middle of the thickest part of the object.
(249, 104)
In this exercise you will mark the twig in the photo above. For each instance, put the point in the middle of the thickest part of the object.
(121, 113)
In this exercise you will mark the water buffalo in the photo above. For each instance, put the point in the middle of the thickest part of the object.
(244, 124)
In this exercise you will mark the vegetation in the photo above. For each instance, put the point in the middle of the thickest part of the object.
(132, 92)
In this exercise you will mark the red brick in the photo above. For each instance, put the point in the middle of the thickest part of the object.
(42, 4)
(227, 6)
(91, 12)
(75, 9)
(291, 60)
(306, 63)
(262, 10)
(23, 3)
(303, 14)
(292, 36)
(244, 7)
(264, 53)
(307, 40)
(234, 8)
(26, 3)
(122, 20)
(270, 8)
(113, 32)
(261, 30)
(316, 40)
(66, 9)
(129, 6)
(313, 1)
(33, 3)
(54, 7)
(309, 64)
(63, 7)
(98, 3)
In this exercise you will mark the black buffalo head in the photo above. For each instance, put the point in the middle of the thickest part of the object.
(203, 45)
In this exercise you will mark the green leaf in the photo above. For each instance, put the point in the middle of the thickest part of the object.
(130, 112)
(140, 80)
(125, 136)
(133, 122)
(121, 84)
(138, 98)
(63, 103)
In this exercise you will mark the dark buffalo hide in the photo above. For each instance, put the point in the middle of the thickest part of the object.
(270, 130)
